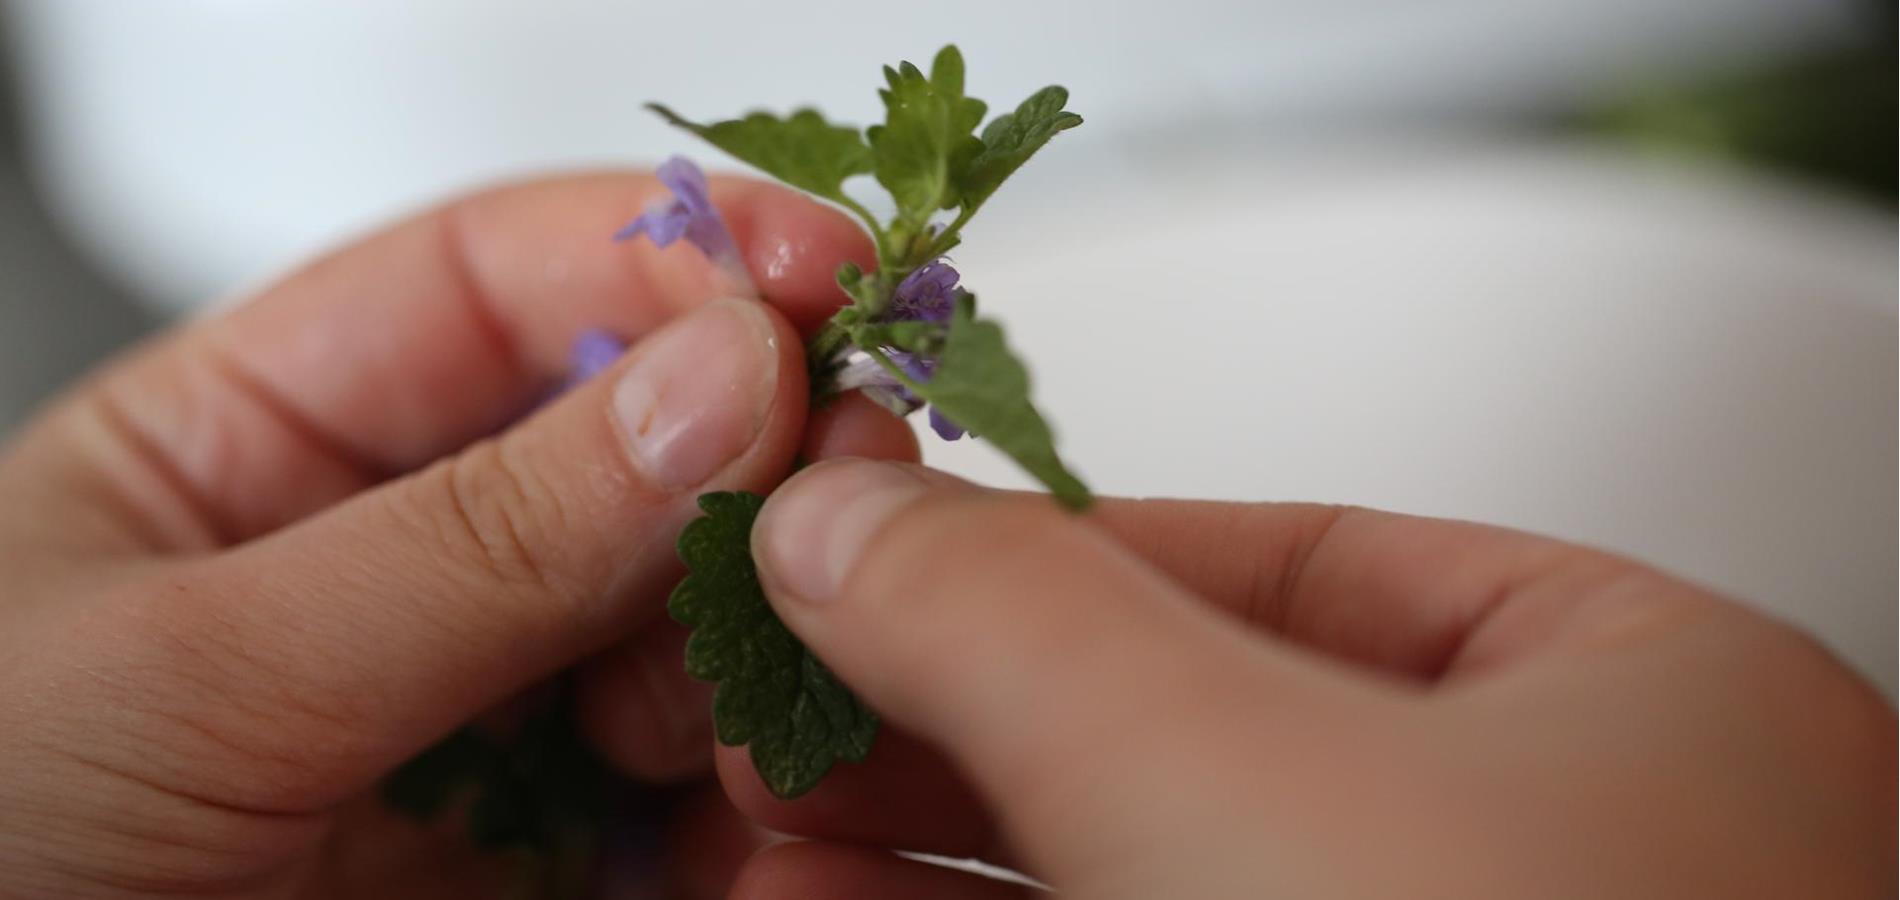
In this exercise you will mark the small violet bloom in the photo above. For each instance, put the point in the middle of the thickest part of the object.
(862, 373)
(920, 370)
(926, 295)
(593, 351)
(689, 214)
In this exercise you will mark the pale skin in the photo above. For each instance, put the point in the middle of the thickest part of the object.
(256, 563)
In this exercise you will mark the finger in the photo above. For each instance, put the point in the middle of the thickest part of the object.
(636, 701)
(1409, 596)
(840, 872)
(853, 425)
(706, 844)
(641, 710)
(1054, 667)
(904, 796)
(382, 356)
(1395, 592)
(340, 646)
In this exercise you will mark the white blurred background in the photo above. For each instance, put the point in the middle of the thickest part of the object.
(1616, 270)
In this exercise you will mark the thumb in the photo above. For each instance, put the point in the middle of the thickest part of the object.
(1071, 682)
(371, 629)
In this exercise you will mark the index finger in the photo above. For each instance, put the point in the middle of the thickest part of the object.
(397, 349)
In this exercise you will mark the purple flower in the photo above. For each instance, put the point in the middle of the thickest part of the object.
(928, 294)
(689, 214)
(861, 372)
(593, 351)
(920, 370)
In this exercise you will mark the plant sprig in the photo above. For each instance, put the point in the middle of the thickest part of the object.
(927, 154)
(914, 339)
(909, 336)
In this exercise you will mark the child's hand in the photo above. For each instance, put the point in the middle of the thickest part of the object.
(1172, 699)
(249, 569)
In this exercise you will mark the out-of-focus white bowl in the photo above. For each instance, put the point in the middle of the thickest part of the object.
(1699, 372)
(1694, 369)
(193, 146)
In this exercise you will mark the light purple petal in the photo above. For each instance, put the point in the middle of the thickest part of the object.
(593, 351)
(860, 372)
(935, 277)
(687, 183)
(925, 295)
(919, 368)
(632, 229)
(944, 428)
(688, 213)
(895, 399)
(663, 223)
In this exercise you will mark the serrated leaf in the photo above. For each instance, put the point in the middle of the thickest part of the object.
(982, 386)
(804, 150)
(1008, 142)
(859, 288)
(773, 694)
(927, 121)
(946, 76)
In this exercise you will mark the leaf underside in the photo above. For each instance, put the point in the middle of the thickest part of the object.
(773, 695)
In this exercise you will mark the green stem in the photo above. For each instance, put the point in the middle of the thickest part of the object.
(870, 221)
(831, 338)
(948, 237)
(819, 351)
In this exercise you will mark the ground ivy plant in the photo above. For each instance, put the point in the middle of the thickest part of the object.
(908, 337)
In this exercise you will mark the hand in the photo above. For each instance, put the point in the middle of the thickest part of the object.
(248, 570)
(1176, 699)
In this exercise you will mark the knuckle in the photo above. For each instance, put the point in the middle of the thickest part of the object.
(494, 516)
(180, 665)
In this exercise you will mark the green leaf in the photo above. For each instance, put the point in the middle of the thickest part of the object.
(424, 785)
(913, 337)
(1008, 142)
(773, 694)
(926, 122)
(982, 386)
(864, 291)
(946, 77)
(540, 789)
(804, 151)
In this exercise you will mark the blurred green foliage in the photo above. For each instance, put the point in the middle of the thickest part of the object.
(1829, 117)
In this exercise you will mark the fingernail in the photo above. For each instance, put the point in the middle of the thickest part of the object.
(816, 525)
(697, 392)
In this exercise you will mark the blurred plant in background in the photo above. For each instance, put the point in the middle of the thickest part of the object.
(1827, 116)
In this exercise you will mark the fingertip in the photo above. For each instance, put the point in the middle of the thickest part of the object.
(844, 872)
(905, 795)
(793, 246)
(853, 425)
(644, 714)
(815, 528)
(707, 844)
